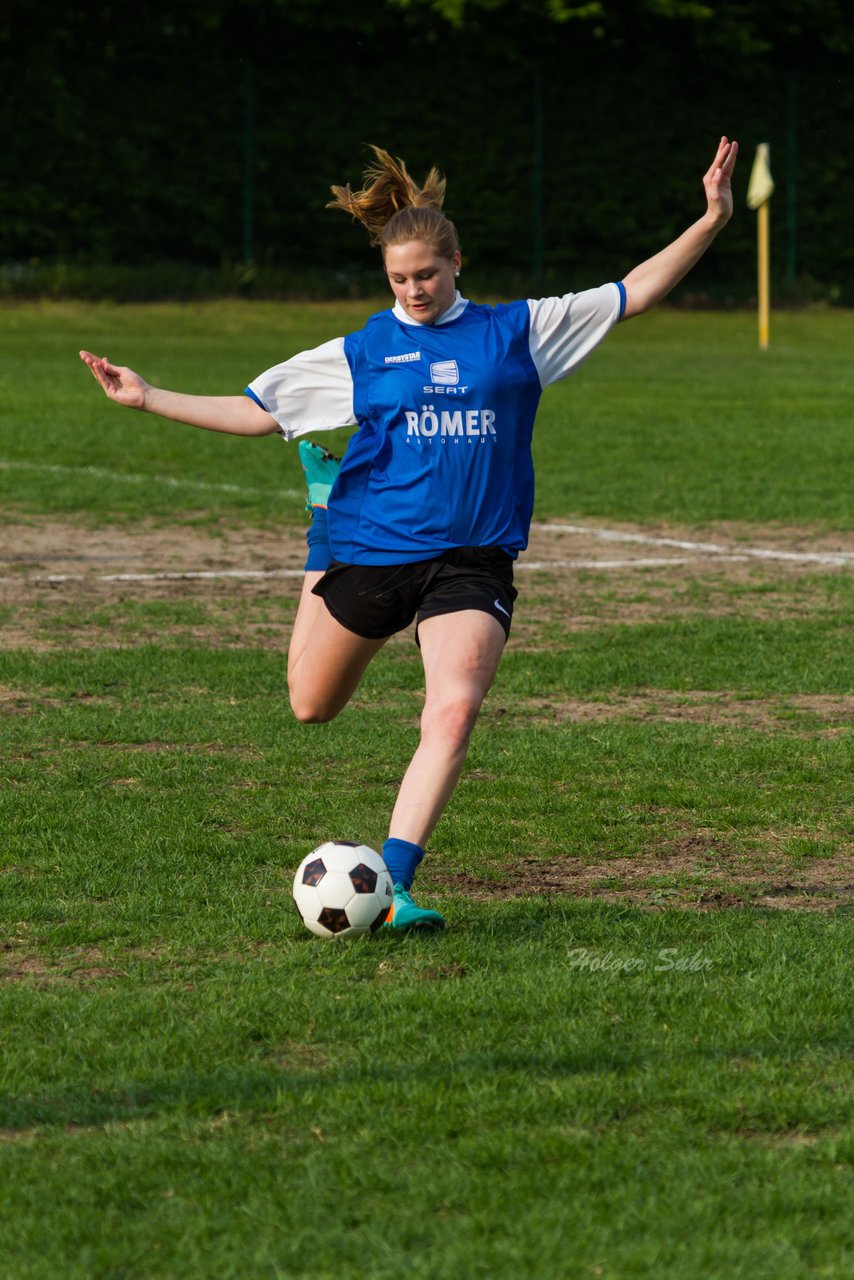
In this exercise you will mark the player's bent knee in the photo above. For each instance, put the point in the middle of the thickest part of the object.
(311, 710)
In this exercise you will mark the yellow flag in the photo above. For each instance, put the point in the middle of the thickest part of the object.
(761, 185)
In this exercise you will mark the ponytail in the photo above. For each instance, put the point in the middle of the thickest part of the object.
(395, 210)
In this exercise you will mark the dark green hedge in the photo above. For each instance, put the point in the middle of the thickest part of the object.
(126, 129)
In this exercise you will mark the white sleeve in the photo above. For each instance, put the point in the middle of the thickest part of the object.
(313, 391)
(565, 330)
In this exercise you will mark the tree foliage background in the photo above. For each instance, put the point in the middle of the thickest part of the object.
(573, 135)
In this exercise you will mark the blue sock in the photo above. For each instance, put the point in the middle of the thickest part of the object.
(317, 538)
(402, 858)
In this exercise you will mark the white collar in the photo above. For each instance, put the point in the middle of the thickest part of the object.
(456, 309)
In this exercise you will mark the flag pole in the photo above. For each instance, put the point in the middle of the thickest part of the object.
(763, 250)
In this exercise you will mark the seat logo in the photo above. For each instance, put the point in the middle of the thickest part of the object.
(444, 373)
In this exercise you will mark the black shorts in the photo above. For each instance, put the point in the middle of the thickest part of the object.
(375, 601)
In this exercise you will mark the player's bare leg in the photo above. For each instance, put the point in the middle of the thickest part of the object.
(460, 652)
(325, 660)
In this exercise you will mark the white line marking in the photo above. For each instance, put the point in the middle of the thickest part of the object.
(640, 563)
(178, 575)
(174, 576)
(704, 548)
(129, 477)
(700, 549)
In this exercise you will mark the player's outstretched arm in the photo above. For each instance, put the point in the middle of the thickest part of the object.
(237, 415)
(652, 280)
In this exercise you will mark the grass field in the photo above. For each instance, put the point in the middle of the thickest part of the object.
(630, 1055)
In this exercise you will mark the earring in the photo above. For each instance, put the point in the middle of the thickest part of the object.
(456, 273)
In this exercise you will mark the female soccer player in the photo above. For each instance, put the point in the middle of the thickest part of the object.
(434, 497)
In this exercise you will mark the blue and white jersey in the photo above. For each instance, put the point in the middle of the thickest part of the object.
(445, 414)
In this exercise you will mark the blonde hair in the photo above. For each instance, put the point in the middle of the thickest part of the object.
(395, 210)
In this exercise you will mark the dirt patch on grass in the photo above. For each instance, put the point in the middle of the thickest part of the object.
(20, 961)
(62, 583)
(831, 713)
(700, 871)
(786, 1139)
(42, 548)
(85, 964)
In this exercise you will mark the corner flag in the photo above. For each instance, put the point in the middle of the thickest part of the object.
(761, 185)
(759, 192)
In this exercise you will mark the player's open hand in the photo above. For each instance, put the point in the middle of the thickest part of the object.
(119, 383)
(717, 182)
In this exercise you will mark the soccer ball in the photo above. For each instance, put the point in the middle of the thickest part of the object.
(342, 890)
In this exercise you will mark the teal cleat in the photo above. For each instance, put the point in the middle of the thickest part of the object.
(405, 914)
(320, 467)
